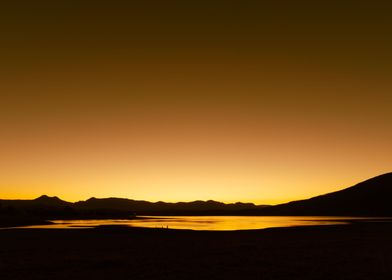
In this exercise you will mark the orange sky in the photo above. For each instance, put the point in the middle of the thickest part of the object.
(177, 102)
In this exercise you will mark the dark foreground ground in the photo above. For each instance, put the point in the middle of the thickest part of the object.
(359, 251)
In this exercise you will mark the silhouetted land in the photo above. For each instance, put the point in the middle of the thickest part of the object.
(51, 208)
(369, 198)
(357, 251)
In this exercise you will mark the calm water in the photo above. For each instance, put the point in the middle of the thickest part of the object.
(205, 222)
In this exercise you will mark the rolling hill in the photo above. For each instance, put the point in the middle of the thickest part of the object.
(369, 198)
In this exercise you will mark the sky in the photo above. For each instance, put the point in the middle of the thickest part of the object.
(252, 101)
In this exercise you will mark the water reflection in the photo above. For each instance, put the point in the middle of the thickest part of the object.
(204, 222)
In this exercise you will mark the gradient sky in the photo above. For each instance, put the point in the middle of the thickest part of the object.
(182, 100)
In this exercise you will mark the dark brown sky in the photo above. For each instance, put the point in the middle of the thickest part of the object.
(183, 100)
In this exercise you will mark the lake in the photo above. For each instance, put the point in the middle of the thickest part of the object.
(205, 222)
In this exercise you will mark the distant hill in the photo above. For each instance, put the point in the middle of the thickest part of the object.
(43, 200)
(372, 197)
(51, 201)
(41, 207)
(139, 207)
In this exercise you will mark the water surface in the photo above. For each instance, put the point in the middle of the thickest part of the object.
(205, 222)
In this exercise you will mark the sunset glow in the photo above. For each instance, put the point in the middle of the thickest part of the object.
(162, 106)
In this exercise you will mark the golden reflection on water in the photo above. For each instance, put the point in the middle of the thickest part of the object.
(203, 222)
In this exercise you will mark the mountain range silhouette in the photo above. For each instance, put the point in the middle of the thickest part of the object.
(368, 198)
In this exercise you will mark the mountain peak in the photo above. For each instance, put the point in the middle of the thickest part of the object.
(50, 200)
(46, 197)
